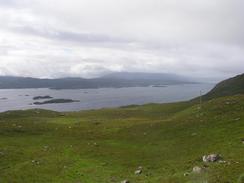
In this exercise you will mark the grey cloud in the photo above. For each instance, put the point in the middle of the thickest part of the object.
(7, 2)
(68, 36)
(92, 37)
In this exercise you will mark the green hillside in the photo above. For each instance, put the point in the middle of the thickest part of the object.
(109, 145)
(227, 87)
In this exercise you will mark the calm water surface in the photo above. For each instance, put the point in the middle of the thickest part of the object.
(17, 99)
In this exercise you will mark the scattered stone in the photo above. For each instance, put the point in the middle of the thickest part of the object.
(197, 169)
(222, 161)
(36, 162)
(211, 158)
(1, 153)
(242, 140)
(138, 172)
(186, 174)
(125, 181)
(237, 119)
(193, 134)
(95, 144)
(139, 167)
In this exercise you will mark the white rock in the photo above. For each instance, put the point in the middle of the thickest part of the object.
(125, 181)
(197, 169)
(221, 161)
(138, 172)
(204, 158)
(139, 167)
(186, 174)
(210, 158)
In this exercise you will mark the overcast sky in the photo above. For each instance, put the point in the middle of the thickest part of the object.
(88, 38)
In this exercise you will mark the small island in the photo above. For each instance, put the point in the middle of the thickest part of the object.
(159, 86)
(56, 101)
(42, 97)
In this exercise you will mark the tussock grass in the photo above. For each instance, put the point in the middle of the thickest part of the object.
(108, 145)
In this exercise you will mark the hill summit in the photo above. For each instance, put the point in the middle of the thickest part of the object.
(229, 87)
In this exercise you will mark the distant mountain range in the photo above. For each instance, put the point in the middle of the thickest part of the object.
(114, 80)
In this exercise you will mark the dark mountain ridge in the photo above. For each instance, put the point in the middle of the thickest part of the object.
(114, 80)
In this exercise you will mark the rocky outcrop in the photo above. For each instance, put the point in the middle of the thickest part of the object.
(211, 158)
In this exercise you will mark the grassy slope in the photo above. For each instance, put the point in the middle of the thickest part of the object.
(229, 87)
(108, 145)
